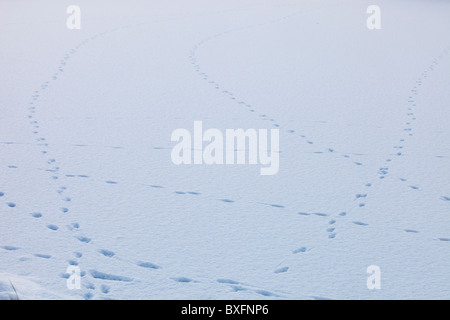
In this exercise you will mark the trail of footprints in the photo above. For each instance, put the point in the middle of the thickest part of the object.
(360, 198)
(53, 168)
(398, 150)
(247, 106)
(331, 222)
(234, 285)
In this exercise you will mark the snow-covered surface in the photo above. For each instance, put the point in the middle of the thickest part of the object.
(86, 177)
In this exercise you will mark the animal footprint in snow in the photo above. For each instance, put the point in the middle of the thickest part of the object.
(182, 279)
(360, 223)
(281, 270)
(301, 249)
(106, 253)
(148, 265)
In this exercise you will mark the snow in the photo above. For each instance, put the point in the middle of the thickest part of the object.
(85, 141)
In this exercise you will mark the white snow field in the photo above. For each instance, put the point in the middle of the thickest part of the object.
(87, 180)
